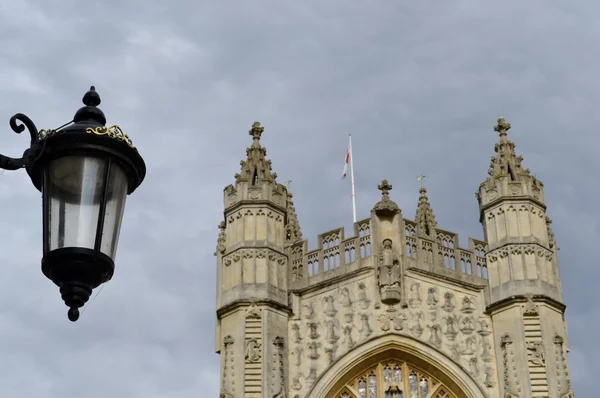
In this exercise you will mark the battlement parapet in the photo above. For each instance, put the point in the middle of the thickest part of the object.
(337, 255)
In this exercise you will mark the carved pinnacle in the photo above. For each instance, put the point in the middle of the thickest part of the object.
(256, 131)
(502, 127)
(385, 188)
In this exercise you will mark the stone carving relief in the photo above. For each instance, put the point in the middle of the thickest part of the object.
(389, 275)
(252, 350)
(468, 305)
(450, 323)
(309, 311)
(332, 325)
(415, 295)
(348, 342)
(313, 330)
(345, 299)
(363, 301)
(435, 337)
(228, 379)
(221, 239)
(328, 306)
(365, 328)
(511, 380)
(296, 333)
(536, 350)
(448, 302)
(530, 308)
(278, 375)
(415, 327)
(467, 324)
(562, 372)
(432, 298)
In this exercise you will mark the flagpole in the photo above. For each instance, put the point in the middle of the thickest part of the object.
(352, 180)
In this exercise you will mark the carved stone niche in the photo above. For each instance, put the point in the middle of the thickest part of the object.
(389, 275)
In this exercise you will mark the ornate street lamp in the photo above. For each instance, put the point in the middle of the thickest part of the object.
(84, 171)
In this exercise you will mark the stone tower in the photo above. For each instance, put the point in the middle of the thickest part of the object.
(252, 298)
(526, 302)
(398, 309)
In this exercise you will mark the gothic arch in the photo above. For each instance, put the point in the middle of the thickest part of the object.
(394, 346)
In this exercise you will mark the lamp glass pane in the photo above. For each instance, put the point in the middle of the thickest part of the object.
(75, 188)
(115, 206)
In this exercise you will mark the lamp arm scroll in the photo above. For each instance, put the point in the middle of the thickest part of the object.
(8, 163)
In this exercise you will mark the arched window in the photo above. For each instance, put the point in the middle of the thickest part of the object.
(394, 379)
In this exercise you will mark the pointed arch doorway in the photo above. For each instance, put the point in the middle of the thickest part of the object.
(395, 366)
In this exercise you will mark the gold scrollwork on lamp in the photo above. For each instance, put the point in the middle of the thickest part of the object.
(113, 132)
(45, 133)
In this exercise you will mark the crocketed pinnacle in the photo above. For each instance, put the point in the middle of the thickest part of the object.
(293, 232)
(256, 167)
(386, 205)
(506, 163)
(425, 218)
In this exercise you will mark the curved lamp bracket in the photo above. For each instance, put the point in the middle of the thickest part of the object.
(8, 163)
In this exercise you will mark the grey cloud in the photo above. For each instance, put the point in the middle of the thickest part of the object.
(419, 86)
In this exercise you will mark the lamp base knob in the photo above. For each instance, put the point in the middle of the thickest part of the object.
(73, 314)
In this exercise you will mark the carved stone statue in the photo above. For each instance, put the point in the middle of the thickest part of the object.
(252, 350)
(389, 275)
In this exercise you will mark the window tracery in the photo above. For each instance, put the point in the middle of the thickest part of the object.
(394, 379)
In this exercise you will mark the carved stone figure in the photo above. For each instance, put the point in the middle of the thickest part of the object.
(348, 337)
(296, 330)
(415, 295)
(530, 307)
(389, 275)
(467, 325)
(365, 329)
(435, 337)
(432, 299)
(399, 320)
(384, 322)
(330, 351)
(298, 353)
(309, 311)
(486, 355)
(331, 325)
(345, 300)
(450, 323)
(484, 328)
(536, 353)
(474, 367)
(448, 302)
(469, 345)
(416, 327)
(468, 305)
(328, 306)
(314, 350)
(252, 350)
(313, 333)
(363, 301)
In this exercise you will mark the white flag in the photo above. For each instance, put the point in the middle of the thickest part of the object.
(346, 161)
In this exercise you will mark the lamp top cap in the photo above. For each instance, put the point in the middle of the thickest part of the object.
(91, 98)
(90, 112)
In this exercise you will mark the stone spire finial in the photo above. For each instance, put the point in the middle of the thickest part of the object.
(385, 189)
(386, 204)
(425, 218)
(256, 167)
(502, 128)
(506, 162)
(256, 132)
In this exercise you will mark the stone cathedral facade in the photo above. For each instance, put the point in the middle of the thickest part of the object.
(398, 309)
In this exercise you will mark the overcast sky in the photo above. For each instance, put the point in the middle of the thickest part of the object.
(419, 84)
